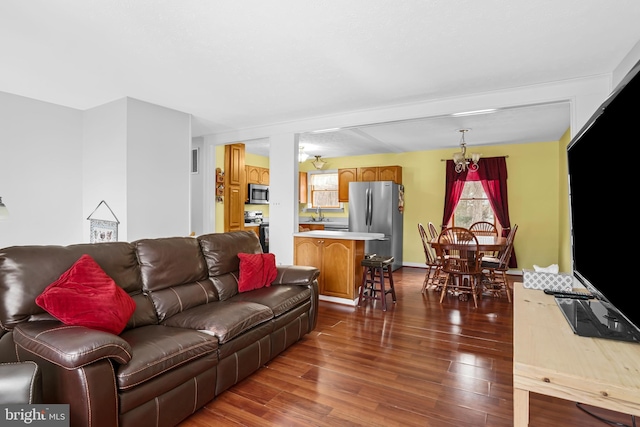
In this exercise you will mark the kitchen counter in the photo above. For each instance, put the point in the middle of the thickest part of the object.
(345, 235)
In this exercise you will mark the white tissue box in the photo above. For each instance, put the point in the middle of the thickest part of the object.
(540, 280)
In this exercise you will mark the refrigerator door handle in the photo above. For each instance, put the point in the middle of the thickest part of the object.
(369, 207)
(366, 207)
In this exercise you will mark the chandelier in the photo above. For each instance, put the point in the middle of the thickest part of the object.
(460, 158)
(318, 163)
(302, 156)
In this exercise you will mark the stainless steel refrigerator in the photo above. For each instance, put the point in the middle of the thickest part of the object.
(374, 207)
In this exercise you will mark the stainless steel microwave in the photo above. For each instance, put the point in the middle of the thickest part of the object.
(258, 194)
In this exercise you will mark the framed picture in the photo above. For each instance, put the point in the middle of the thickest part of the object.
(195, 160)
(103, 231)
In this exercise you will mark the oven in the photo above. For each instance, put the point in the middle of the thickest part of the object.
(258, 194)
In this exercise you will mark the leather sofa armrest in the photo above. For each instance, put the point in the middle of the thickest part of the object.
(20, 383)
(295, 275)
(70, 346)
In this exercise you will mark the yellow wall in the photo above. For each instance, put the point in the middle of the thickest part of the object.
(219, 206)
(537, 192)
(564, 238)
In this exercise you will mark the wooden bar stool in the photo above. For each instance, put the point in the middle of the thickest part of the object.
(375, 270)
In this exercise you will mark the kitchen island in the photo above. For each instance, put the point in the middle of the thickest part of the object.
(337, 254)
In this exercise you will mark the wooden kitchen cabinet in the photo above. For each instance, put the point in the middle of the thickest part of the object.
(390, 173)
(381, 173)
(345, 176)
(257, 175)
(302, 187)
(338, 261)
(367, 173)
(254, 228)
(234, 187)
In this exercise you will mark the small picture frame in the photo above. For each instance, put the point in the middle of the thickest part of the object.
(103, 231)
(100, 229)
(195, 160)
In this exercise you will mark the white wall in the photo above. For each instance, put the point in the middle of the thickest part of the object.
(40, 172)
(283, 196)
(158, 171)
(197, 188)
(58, 163)
(104, 164)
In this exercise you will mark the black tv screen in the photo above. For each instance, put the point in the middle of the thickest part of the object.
(604, 165)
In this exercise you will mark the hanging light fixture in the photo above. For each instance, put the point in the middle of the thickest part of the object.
(460, 159)
(318, 163)
(302, 156)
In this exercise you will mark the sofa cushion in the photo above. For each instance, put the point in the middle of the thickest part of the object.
(279, 298)
(256, 271)
(170, 261)
(225, 320)
(158, 349)
(85, 295)
(220, 250)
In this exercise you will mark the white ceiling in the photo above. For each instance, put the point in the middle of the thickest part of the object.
(244, 64)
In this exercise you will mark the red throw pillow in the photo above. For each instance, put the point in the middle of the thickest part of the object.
(85, 295)
(256, 271)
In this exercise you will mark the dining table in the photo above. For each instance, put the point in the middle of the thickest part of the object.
(487, 244)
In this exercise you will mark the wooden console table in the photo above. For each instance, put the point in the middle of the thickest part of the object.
(548, 358)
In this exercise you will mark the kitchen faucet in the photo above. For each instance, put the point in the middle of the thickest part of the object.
(319, 213)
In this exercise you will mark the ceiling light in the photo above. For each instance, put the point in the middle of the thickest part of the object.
(475, 112)
(461, 161)
(326, 130)
(318, 163)
(302, 156)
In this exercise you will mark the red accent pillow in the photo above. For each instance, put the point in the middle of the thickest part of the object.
(256, 271)
(85, 295)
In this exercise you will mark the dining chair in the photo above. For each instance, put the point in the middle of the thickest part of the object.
(433, 231)
(432, 277)
(494, 277)
(483, 228)
(460, 262)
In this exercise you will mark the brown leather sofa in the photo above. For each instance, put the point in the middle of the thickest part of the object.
(192, 335)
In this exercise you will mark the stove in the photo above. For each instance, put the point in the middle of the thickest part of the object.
(253, 217)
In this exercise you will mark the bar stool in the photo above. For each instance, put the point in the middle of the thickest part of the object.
(375, 269)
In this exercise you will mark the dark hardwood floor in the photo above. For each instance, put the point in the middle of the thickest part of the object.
(421, 363)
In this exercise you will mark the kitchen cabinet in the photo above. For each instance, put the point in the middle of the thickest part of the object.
(257, 175)
(367, 173)
(381, 173)
(254, 228)
(345, 176)
(390, 173)
(338, 261)
(234, 187)
(302, 187)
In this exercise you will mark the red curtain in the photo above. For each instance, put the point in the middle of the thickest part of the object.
(492, 174)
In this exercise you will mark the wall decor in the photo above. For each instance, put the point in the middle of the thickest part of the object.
(101, 229)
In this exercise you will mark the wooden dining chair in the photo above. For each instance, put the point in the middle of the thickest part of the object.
(483, 228)
(494, 269)
(432, 277)
(433, 231)
(460, 263)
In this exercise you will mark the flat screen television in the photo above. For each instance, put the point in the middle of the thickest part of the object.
(604, 173)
